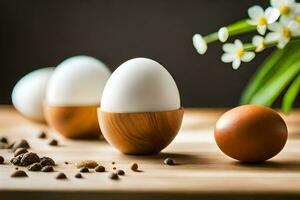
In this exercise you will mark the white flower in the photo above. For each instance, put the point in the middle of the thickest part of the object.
(199, 44)
(235, 53)
(223, 34)
(259, 42)
(262, 18)
(282, 31)
(286, 7)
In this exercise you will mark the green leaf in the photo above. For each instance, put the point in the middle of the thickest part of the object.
(267, 69)
(290, 95)
(270, 91)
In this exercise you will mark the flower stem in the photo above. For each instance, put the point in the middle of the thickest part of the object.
(234, 29)
(251, 47)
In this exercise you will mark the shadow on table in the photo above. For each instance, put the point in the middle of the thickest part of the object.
(272, 165)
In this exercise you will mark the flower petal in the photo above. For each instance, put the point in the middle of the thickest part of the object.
(228, 57)
(236, 63)
(272, 36)
(257, 40)
(238, 44)
(255, 12)
(261, 29)
(276, 3)
(276, 27)
(248, 56)
(282, 42)
(223, 34)
(199, 44)
(272, 14)
(229, 47)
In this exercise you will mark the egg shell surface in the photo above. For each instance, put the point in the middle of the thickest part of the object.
(251, 133)
(29, 93)
(77, 81)
(140, 85)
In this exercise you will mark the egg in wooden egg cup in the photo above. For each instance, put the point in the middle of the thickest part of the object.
(140, 108)
(73, 96)
(140, 133)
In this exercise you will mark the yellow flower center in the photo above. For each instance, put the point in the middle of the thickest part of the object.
(284, 9)
(286, 32)
(240, 52)
(298, 19)
(262, 21)
(260, 47)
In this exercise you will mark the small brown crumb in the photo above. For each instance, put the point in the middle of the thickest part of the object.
(113, 162)
(84, 170)
(114, 168)
(66, 162)
(53, 142)
(113, 175)
(120, 172)
(19, 173)
(47, 168)
(78, 175)
(11, 145)
(16, 168)
(19, 151)
(61, 176)
(134, 166)
(1, 160)
(3, 140)
(91, 164)
(100, 168)
(35, 167)
(47, 161)
(20, 144)
(29, 158)
(169, 161)
(42, 135)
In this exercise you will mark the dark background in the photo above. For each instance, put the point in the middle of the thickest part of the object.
(41, 33)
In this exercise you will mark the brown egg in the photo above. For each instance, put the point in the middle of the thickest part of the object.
(251, 133)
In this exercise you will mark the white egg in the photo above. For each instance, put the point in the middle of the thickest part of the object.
(140, 85)
(29, 93)
(78, 80)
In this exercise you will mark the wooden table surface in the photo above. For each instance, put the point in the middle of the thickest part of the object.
(202, 170)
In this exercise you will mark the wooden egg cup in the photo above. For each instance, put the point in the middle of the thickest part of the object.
(140, 133)
(75, 122)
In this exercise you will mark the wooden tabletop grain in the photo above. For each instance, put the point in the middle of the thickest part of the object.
(202, 171)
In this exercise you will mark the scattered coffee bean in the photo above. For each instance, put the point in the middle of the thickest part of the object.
(21, 144)
(29, 158)
(19, 173)
(35, 167)
(84, 170)
(66, 162)
(42, 135)
(17, 160)
(113, 175)
(46, 161)
(78, 175)
(53, 142)
(19, 151)
(134, 166)
(169, 161)
(1, 160)
(113, 162)
(47, 168)
(100, 168)
(91, 164)
(3, 140)
(120, 172)
(61, 176)
(114, 168)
